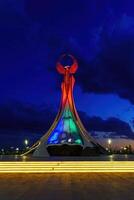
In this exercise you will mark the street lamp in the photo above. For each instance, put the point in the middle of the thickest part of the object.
(109, 144)
(26, 142)
(109, 141)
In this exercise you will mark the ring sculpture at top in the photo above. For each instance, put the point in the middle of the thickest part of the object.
(67, 69)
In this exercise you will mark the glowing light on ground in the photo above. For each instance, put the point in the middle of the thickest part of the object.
(66, 166)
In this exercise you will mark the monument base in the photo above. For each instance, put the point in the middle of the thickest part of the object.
(72, 150)
(65, 150)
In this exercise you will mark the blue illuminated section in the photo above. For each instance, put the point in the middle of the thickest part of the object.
(53, 139)
(66, 130)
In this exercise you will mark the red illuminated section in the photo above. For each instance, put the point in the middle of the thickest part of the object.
(68, 82)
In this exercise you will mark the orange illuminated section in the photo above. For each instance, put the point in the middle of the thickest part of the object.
(66, 166)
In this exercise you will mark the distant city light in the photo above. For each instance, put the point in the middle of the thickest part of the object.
(26, 142)
(17, 149)
(109, 141)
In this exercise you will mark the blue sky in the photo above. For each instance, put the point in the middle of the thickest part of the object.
(100, 34)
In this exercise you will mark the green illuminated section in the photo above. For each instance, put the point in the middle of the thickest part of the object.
(78, 141)
(73, 127)
(69, 124)
(66, 131)
(69, 121)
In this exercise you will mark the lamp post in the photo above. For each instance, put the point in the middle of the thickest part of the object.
(26, 142)
(109, 144)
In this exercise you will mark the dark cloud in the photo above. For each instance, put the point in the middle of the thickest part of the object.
(29, 118)
(111, 124)
(21, 117)
(111, 70)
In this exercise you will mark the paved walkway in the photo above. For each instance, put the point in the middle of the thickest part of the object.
(87, 186)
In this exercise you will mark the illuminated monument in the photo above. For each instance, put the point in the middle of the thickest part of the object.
(67, 135)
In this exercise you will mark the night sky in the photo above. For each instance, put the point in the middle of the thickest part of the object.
(34, 33)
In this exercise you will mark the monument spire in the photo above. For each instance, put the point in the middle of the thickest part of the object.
(67, 135)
